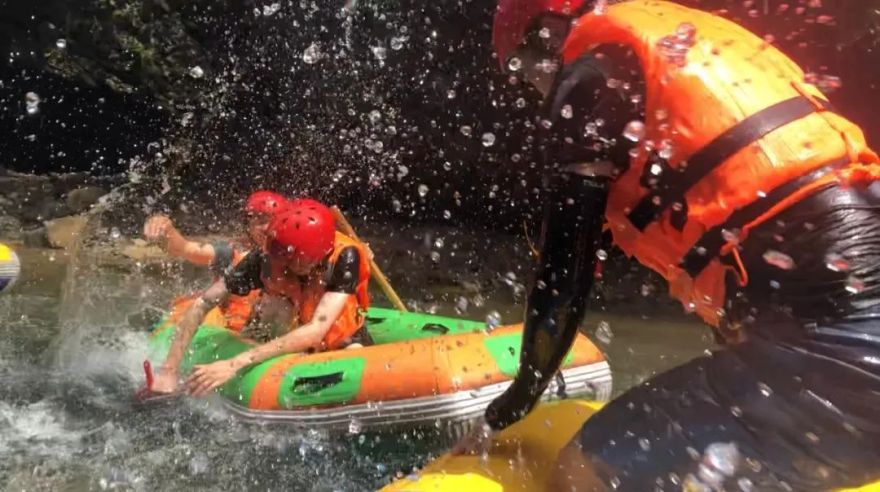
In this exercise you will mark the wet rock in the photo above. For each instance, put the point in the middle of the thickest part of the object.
(22, 183)
(31, 208)
(81, 199)
(35, 237)
(142, 251)
(63, 183)
(64, 232)
(10, 228)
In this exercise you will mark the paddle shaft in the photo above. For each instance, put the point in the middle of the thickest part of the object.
(374, 268)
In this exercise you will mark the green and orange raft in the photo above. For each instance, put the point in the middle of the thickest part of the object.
(421, 370)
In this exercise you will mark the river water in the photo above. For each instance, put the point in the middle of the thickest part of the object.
(71, 345)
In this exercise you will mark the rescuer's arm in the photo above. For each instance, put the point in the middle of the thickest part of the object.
(571, 234)
(581, 150)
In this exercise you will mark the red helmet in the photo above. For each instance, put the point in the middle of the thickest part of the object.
(265, 202)
(305, 230)
(513, 18)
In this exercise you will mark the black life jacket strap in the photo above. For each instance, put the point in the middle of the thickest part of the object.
(709, 246)
(676, 183)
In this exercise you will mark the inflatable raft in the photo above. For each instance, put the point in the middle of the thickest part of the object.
(521, 458)
(422, 370)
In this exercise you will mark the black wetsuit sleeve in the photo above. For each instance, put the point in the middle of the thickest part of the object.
(571, 230)
(571, 234)
(246, 276)
(343, 275)
(223, 256)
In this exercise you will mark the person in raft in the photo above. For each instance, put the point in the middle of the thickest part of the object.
(220, 256)
(324, 275)
(718, 166)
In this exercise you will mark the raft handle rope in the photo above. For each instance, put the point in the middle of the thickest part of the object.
(435, 328)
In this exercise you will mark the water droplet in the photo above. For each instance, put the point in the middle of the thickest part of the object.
(745, 485)
(731, 235)
(270, 10)
(764, 389)
(601, 254)
(380, 52)
(514, 64)
(447, 214)
(397, 43)
(493, 320)
(423, 190)
(447, 166)
(488, 139)
(61, 43)
(312, 54)
(354, 426)
(779, 259)
(196, 72)
(634, 131)
(435, 256)
(854, 285)
(439, 243)
(665, 149)
(775, 285)
(836, 263)
(604, 333)
(461, 305)
(520, 103)
(450, 94)
(466, 130)
(567, 112)
(645, 444)
(32, 102)
(114, 233)
(548, 65)
(686, 32)
(736, 411)
(600, 7)
(375, 116)
(720, 460)
(614, 482)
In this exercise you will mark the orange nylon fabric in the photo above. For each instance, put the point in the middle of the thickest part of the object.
(729, 74)
(306, 297)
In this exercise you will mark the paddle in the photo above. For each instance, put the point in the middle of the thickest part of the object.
(374, 268)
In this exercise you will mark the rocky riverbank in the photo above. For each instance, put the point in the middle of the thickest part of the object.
(42, 211)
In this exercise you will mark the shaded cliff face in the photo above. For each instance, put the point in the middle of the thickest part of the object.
(396, 107)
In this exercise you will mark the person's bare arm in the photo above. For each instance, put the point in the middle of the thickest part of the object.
(208, 377)
(161, 228)
(166, 381)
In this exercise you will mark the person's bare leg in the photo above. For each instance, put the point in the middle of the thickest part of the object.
(574, 472)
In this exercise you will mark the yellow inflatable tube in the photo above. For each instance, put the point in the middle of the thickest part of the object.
(522, 457)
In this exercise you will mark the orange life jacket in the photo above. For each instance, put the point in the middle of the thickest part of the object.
(233, 315)
(305, 297)
(748, 138)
